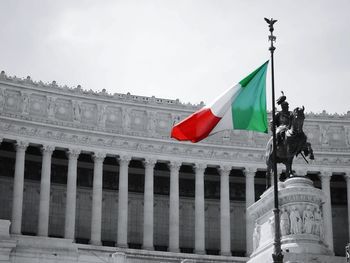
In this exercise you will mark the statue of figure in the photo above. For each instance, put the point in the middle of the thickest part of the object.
(282, 119)
(324, 136)
(348, 130)
(291, 139)
(284, 222)
(25, 103)
(318, 224)
(151, 126)
(295, 221)
(76, 111)
(51, 108)
(101, 115)
(2, 99)
(256, 236)
(308, 220)
(126, 118)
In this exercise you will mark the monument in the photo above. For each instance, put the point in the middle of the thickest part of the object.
(301, 221)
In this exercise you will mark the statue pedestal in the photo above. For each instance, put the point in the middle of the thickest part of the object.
(302, 227)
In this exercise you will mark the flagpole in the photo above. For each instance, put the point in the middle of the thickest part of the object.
(277, 255)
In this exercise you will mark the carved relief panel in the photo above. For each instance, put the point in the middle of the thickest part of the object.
(64, 109)
(89, 113)
(164, 123)
(113, 117)
(138, 120)
(313, 134)
(12, 101)
(37, 105)
(337, 136)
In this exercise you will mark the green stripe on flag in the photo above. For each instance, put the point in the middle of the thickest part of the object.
(249, 108)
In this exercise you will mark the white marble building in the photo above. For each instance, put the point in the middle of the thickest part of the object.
(84, 174)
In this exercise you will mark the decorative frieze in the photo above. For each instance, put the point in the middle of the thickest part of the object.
(301, 219)
(98, 119)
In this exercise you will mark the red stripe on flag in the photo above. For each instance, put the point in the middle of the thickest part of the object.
(196, 127)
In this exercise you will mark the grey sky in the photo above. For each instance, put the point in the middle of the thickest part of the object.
(191, 50)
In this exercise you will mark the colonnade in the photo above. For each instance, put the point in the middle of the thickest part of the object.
(148, 228)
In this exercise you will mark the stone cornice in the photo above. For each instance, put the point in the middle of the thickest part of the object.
(31, 85)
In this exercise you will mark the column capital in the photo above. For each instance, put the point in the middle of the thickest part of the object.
(47, 149)
(73, 153)
(124, 159)
(149, 162)
(22, 145)
(98, 156)
(225, 170)
(249, 172)
(200, 167)
(347, 176)
(174, 165)
(325, 175)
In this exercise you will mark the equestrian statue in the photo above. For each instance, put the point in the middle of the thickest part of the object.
(290, 138)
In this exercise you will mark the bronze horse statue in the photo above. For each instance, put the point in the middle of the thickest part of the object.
(293, 143)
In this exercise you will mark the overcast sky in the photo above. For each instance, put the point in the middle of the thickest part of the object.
(187, 49)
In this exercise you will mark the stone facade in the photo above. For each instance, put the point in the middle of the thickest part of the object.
(101, 169)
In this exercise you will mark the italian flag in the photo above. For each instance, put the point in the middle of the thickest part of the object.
(241, 107)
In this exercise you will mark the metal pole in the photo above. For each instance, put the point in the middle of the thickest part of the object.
(277, 255)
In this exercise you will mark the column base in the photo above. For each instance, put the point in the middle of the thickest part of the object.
(226, 253)
(200, 252)
(122, 245)
(95, 243)
(147, 247)
(174, 250)
(42, 235)
(16, 232)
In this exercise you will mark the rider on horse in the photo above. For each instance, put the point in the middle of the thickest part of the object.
(283, 119)
(291, 139)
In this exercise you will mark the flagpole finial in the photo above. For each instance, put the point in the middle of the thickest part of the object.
(272, 38)
(270, 22)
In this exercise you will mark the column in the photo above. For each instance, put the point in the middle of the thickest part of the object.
(123, 202)
(199, 246)
(69, 227)
(174, 207)
(347, 178)
(96, 212)
(148, 205)
(250, 199)
(18, 182)
(44, 205)
(225, 226)
(327, 209)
